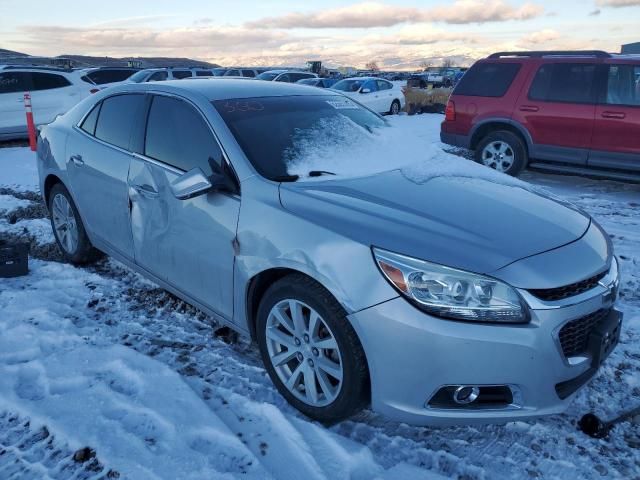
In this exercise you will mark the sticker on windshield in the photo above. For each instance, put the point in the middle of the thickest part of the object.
(343, 104)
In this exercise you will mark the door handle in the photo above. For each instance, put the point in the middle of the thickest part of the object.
(77, 160)
(529, 108)
(145, 190)
(613, 115)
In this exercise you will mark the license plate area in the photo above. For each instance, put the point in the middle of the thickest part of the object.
(604, 337)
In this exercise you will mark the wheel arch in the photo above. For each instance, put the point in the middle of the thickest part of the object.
(482, 129)
(48, 184)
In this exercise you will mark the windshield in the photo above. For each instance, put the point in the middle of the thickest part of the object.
(267, 76)
(219, 72)
(275, 132)
(139, 77)
(308, 81)
(348, 85)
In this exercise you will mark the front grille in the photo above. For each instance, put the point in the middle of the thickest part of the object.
(574, 336)
(559, 293)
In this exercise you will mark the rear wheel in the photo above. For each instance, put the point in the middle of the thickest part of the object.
(68, 228)
(395, 108)
(503, 151)
(310, 350)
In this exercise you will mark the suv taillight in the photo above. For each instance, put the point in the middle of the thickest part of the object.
(450, 112)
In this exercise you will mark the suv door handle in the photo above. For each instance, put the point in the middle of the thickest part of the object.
(613, 115)
(77, 160)
(145, 190)
(529, 108)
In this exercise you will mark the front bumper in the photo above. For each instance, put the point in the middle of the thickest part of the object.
(412, 355)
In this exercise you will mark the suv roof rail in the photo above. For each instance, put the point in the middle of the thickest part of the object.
(36, 67)
(554, 53)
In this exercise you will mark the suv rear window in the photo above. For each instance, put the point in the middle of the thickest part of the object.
(100, 77)
(488, 79)
(564, 82)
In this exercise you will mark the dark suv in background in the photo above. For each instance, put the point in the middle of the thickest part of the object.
(574, 112)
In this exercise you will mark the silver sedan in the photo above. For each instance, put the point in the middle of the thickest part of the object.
(432, 302)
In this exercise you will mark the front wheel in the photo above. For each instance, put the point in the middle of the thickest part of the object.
(503, 151)
(310, 350)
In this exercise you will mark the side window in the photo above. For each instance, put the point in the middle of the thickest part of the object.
(283, 78)
(203, 73)
(232, 73)
(100, 77)
(178, 136)
(623, 85)
(89, 124)
(48, 81)
(13, 82)
(488, 80)
(180, 74)
(382, 85)
(248, 73)
(158, 77)
(371, 85)
(117, 119)
(563, 82)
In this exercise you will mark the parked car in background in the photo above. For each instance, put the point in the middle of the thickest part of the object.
(53, 92)
(390, 293)
(106, 76)
(287, 76)
(318, 82)
(377, 94)
(162, 74)
(241, 72)
(575, 112)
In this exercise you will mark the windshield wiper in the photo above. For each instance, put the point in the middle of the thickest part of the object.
(285, 178)
(319, 173)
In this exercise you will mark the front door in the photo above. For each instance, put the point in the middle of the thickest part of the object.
(558, 110)
(616, 138)
(187, 243)
(98, 159)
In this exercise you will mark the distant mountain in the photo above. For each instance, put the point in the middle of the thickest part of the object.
(88, 61)
(10, 53)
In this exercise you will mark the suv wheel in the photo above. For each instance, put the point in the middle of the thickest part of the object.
(310, 350)
(68, 228)
(503, 151)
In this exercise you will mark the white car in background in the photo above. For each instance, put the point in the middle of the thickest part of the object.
(377, 94)
(287, 76)
(53, 92)
(162, 74)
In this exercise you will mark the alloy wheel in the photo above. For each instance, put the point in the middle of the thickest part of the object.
(395, 108)
(304, 353)
(498, 155)
(64, 222)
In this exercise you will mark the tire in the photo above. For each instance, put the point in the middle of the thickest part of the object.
(338, 399)
(75, 247)
(395, 108)
(503, 151)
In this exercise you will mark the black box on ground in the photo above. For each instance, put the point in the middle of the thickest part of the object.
(14, 259)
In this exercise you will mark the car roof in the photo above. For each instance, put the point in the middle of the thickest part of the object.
(364, 78)
(221, 89)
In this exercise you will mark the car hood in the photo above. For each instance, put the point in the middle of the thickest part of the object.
(466, 223)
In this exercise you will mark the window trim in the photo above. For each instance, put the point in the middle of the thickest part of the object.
(159, 163)
(596, 86)
(602, 97)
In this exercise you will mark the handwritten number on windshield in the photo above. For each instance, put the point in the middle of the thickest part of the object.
(243, 106)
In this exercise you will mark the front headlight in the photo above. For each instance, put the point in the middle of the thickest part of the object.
(451, 293)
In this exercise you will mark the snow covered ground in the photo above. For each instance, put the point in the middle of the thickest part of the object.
(104, 375)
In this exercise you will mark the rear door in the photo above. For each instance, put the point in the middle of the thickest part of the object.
(369, 95)
(187, 243)
(98, 154)
(386, 94)
(616, 137)
(558, 110)
(12, 114)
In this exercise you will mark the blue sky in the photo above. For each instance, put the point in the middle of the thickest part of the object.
(396, 33)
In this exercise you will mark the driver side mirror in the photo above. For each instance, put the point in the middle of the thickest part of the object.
(190, 184)
(365, 90)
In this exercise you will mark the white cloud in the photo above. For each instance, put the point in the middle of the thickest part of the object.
(618, 3)
(376, 14)
(540, 37)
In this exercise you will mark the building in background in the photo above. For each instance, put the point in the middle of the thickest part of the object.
(631, 48)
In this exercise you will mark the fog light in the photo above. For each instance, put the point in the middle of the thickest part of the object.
(465, 394)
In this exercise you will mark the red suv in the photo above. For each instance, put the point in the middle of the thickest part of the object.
(575, 112)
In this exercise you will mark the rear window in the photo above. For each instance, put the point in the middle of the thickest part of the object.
(488, 79)
(117, 118)
(564, 82)
(100, 77)
(180, 74)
